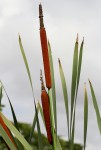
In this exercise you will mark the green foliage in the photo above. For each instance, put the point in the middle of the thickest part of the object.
(64, 87)
(53, 85)
(1, 96)
(95, 106)
(85, 115)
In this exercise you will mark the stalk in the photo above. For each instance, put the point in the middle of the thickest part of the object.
(52, 120)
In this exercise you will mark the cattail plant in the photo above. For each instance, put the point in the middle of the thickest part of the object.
(44, 46)
(46, 109)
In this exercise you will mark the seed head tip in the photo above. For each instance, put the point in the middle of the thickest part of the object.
(41, 79)
(41, 16)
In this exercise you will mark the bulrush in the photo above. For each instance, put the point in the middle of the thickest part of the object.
(46, 110)
(6, 130)
(44, 46)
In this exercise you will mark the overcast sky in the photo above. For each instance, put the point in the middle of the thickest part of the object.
(63, 19)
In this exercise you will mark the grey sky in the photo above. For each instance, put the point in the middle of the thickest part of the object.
(63, 20)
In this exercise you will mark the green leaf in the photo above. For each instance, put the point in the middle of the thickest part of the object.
(16, 132)
(13, 113)
(0, 95)
(52, 119)
(72, 136)
(53, 85)
(85, 115)
(80, 63)
(58, 142)
(26, 63)
(41, 112)
(7, 139)
(64, 87)
(95, 106)
(33, 125)
(74, 81)
(76, 89)
(40, 143)
(74, 74)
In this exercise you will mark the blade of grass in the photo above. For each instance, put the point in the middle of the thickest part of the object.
(74, 81)
(12, 110)
(53, 85)
(26, 63)
(58, 144)
(16, 132)
(72, 136)
(85, 115)
(33, 125)
(40, 143)
(52, 119)
(79, 65)
(95, 106)
(0, 95)
(7, 139)
(76, 88)
(41, 112)
(64, 88)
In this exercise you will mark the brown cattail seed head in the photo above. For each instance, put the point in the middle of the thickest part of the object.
(46, 109)
(46, 112)
(44, 46)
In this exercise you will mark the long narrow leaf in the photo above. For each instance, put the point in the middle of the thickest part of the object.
(41, 112)
(53, 85)
(52, 119)
(79, 64)
(72, 135)
(64, 87)
(16, 132)
(85, 115)
(74, 81)
(76, 89)
(58, 144)
(12, 110)
(74, 73)
(40, 143)
(7, 139)
(0, 95)
(95, 106)
(33, 125)
(26, 63)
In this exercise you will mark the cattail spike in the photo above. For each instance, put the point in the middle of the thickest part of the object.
(46, 113)
(41, 16)
(45, 54)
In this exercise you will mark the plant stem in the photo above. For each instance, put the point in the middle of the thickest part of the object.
(52, 119)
